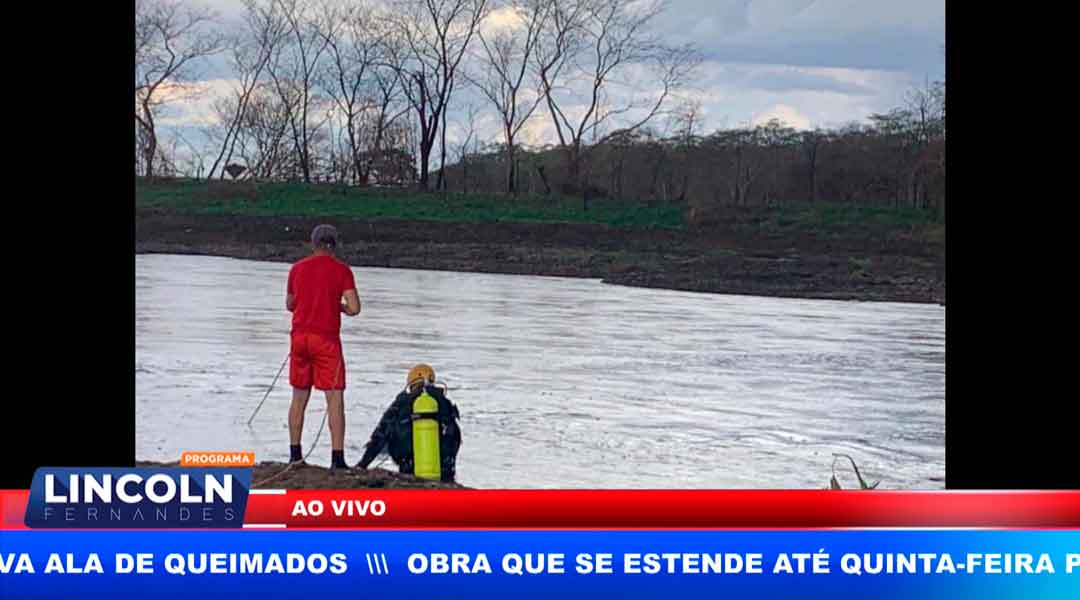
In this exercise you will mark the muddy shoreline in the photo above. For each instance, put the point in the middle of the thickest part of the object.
(725, 258)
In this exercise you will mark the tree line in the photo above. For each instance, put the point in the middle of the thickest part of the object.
(359, 93)
(896, 160)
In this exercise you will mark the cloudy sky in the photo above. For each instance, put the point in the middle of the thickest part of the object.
(807, 62)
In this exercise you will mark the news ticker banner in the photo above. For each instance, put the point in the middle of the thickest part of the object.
(443, 564)
(173, 533)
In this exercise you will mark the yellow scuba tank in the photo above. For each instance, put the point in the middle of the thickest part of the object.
(425, 434)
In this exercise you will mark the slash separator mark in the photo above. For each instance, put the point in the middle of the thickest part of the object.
(376, 564)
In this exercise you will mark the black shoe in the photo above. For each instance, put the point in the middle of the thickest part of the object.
(296, 453)
(337, 460)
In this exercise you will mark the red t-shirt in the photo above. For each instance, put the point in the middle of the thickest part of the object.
(317, 284)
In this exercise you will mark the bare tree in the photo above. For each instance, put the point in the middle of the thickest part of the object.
(587, 50)
(252, 50)
(352, 48)
(744, 161)
(910, 131)
(195, 163)
(380, 126)
(293, 71)
(394, 162)
(685, 122)
(262, 136)
(778, 145)
(359, 76)
(810, 143)
(508, 52)
(462, 148)
(927, 107)
(171, 38)
(435, 36)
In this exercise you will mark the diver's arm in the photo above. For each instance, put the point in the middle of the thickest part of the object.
(373, 449)
(379, 437)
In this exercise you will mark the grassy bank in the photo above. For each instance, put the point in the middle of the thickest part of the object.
(839, 218)
(299, 200)
(825, 220)
(804, 251)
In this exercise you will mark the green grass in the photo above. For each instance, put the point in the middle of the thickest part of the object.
(294, 199)
(841, 218)
(290, 199)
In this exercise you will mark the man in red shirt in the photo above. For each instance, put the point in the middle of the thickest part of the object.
(320, 288)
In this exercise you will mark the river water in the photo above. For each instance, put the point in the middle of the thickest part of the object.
(561, 383)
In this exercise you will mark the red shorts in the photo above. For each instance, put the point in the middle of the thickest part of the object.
(316, 359)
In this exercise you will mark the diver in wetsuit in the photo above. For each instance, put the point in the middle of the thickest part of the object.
(395, 430)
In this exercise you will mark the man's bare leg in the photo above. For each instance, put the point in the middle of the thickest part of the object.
(335, 406)
(296, 418)
(335, 409)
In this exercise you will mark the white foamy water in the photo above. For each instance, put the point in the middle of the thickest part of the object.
(561, 383)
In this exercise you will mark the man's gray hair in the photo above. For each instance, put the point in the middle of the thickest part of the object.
(324, 236)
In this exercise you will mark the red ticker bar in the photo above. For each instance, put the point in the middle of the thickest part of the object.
(13, 508)
(656, 509)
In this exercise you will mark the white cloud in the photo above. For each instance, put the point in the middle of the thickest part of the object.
(500, 19)
(193, 104)
(785, 114)
(735, 94)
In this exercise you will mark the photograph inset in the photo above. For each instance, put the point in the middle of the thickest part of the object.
(543, 243)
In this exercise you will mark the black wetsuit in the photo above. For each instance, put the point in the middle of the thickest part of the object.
(394, 432)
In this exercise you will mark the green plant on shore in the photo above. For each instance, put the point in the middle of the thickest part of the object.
(858, 267)
(834, 483)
